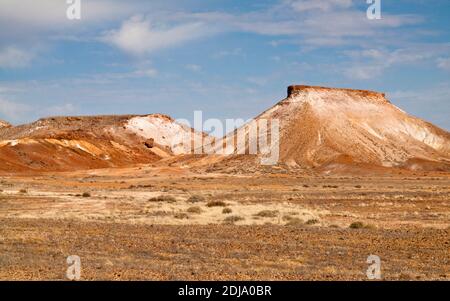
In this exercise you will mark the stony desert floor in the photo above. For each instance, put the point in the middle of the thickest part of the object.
(168, 223)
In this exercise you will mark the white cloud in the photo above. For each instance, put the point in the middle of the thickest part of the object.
(12, 57)
(13, 111)
(149, 72)
(324, 5)
(371, 63)
(363, 72)
(444, 63)
(430, 103)
(225, 53)
(345, 23)
(193, 67)
(59, 110)
(32, 15)
(138, 37)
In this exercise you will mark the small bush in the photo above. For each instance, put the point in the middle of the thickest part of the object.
(358, 186)
(23, 191)
(196, 210)
(163, 198)
(86, 195)
(181, 216)
(356, 225)
(227, 210)
(267, 213)
(195, 199)
(289, 216)
(233, 219)
(312, 222)
(216, 204)
(294, 222)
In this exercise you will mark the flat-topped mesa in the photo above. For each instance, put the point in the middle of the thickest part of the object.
(296, 89)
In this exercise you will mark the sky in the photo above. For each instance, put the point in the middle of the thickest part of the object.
(228, 58)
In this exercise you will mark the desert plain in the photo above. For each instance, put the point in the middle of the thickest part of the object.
(153, 222)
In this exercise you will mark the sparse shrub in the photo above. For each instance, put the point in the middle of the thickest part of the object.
(181, 216)
(287, 217)
(196, 210)
(227, 210)
(330, 186)
(159, 213)
(233, 219)
(294, 222)
(23, 191)
(312, 221)
(358, 186)
(196, 199)
(216, 204)
(86, 195)
(267, 213)
(163, 198)
(356, 225)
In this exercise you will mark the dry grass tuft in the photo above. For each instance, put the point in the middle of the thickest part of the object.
(195, 209)
(196, 199)
(360, 225)
(181, 216)
(227, 210)
(312, 221)
(268, 213)
(233, 219)
(294, 222)
(163, 198)
(216, 204)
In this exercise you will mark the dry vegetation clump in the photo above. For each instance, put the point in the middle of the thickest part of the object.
(216, 204)
(360, 225)
(159, 213)
(233, 219)
(227, 210)
(86, 195)
(312, 221)
(267, 213)
(288, 217)
(356, 225)
(294, 222)
(196, 199)
(163, 199)
(181, 216)
(195, 209)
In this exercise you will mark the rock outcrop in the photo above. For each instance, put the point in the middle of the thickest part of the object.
(4, 124)
(74, 143)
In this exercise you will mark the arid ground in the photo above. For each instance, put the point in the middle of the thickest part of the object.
(160, 223)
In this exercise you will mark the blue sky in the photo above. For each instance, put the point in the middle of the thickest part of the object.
(231, 59)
